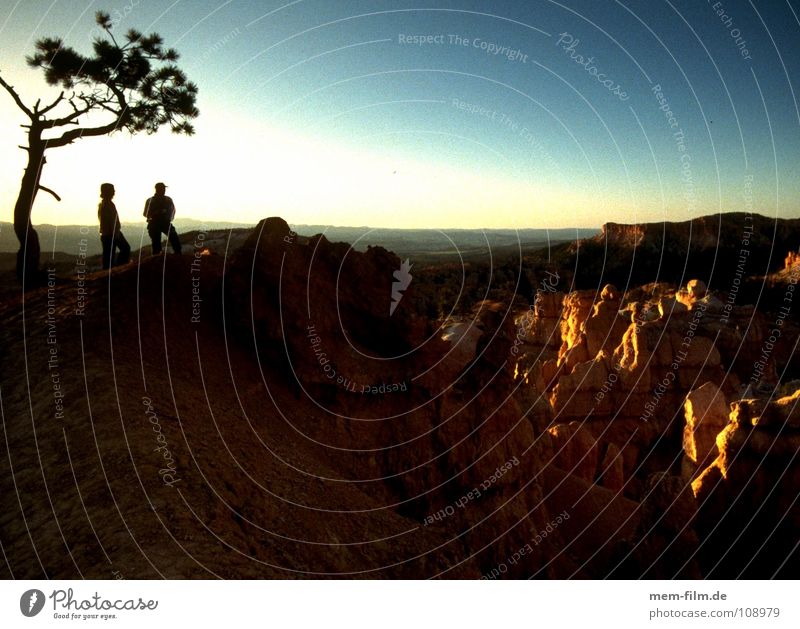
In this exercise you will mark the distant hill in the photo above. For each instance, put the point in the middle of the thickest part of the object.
(421, 244)
(708, 248)
(67, 238)
(730, 251)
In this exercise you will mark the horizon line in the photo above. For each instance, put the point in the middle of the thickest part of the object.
(243, 225)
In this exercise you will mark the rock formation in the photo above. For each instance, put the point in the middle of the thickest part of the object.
(315, 430)
(749, 492)
(706, 415)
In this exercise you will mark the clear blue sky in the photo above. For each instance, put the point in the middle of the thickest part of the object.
(317, 111)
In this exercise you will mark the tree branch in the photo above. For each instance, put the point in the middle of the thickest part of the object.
(41, 187)
(116, 112)
(90, 103)
(73, 117)
(111, 35)
(53, 105)
(84, 132)
(16, 98)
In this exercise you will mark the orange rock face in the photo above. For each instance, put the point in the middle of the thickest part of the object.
(750, 490)
(706, 415)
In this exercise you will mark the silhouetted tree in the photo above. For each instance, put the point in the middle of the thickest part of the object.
(132, 85)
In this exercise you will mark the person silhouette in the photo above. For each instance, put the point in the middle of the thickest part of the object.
(110, 229)
(159, 210)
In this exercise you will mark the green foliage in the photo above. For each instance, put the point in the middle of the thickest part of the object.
(137, 79)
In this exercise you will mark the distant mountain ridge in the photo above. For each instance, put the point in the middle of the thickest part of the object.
(69, 238)
(707, 247)
(703, 232)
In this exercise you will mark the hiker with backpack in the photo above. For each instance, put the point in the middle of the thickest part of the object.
(110, 229)
(159, 210)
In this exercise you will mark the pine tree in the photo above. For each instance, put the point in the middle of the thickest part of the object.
(132, 85)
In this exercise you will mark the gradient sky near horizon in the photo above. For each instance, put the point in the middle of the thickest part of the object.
(320, 112)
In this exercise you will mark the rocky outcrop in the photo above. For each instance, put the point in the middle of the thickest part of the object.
(539, 327)
(749, 492)
(590, 323)
(704, 233)
(631, 395)
(644, 382)
(574, 449)
(706, 414)
(622, 234)
(667, 306)
(625, 369)
(316, 430)
(706, 247)
(643, 341)
(462, 337)
(758, 432)
(438, 428)
(665, 544)
(323, 307)
(578, 306)
(606, 325)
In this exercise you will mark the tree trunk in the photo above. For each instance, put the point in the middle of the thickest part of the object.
(29, 250)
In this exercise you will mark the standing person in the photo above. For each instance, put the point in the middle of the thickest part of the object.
(159, 210)
(110, 229)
